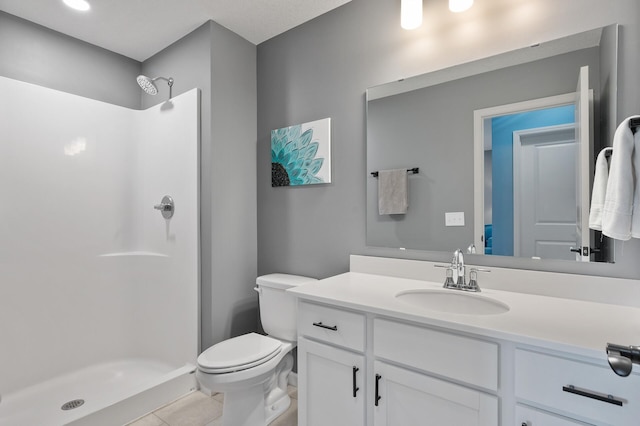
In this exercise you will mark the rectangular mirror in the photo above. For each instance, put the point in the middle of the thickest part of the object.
(458, 126)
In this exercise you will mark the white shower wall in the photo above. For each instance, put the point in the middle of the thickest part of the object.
(89, 271)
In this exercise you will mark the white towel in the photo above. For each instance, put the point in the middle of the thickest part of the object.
(392, 191)
(599, 190)
(621, 212)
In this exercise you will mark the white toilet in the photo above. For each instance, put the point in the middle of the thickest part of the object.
(252, 370)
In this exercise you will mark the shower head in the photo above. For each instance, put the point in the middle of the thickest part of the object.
(148, 84)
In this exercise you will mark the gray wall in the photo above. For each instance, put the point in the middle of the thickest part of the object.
(38, 55)
(223, 66)
(322, 69)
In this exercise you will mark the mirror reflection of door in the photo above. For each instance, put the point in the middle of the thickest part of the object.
(535, 169)
(544, 175)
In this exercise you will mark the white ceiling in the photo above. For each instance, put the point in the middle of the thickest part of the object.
(140, 28)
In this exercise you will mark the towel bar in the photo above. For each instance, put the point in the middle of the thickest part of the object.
(415, 170)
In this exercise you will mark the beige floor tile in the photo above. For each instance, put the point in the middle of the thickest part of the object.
(148, 420)
(198, 409)
(195, 409)
(216, 422)
(293, 392)
(289, 417)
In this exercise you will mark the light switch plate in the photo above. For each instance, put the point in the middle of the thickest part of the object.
(454, 219)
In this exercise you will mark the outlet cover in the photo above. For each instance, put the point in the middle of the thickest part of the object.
(454, 219)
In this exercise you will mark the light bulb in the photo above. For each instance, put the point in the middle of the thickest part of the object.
(81, 5)
(410, 14)
(460, 5)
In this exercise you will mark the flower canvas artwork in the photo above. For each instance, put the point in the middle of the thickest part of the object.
(301, 154)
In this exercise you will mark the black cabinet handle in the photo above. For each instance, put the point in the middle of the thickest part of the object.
(378, 397)
(328, 327)
(604, 398)
(355, 389)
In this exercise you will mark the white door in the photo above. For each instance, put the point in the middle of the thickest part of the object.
(544, 198)
(408, 398)
(331, 384)
(584, 113)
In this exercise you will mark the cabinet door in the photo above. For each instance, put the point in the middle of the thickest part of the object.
(527, 416)
(331, 385)
(407, 398)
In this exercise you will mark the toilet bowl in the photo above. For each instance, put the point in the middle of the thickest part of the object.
(252, 370)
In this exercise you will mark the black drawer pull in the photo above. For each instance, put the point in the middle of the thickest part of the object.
(604, 398)
(355, 389)
(328, 327)
(378, 397)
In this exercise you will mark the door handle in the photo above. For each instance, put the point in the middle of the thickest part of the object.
(593, 395)
(355, 389)
(378, 397)
(328, 327)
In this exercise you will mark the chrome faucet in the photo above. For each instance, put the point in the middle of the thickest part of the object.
(456, 278)
(457, 263)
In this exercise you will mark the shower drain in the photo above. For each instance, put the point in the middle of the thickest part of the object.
(72, 404)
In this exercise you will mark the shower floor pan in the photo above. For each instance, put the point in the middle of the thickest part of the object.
(104, 394)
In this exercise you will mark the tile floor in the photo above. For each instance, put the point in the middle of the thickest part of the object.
(198, 409)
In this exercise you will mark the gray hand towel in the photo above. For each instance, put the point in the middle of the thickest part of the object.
(392, 191)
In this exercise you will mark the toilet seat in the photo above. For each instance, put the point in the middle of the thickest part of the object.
(239, 353)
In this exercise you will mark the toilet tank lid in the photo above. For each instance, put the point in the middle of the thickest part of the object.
(282, 281)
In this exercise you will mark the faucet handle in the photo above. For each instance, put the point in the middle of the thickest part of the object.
(448, 281)
(473, 279)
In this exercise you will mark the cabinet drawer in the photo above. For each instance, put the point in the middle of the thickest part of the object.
(532, 417)
(332, 325)
(570, 386)
(461, 358)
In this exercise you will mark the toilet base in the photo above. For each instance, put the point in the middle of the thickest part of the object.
(261, 403)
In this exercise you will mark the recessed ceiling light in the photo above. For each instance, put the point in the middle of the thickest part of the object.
(460, 5)
(82, 5)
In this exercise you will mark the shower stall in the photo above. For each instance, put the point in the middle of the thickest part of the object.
(99, 309)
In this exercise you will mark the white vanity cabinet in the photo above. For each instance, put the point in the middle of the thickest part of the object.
(541, 363)
(391, 379)
(331, 366)
(404, 396)
(331, 385)
(577, 389)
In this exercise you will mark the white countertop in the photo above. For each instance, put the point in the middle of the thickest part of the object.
(583, 328)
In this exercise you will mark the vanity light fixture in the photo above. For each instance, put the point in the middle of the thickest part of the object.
(460, 5)
(81, 5)
(410, 14)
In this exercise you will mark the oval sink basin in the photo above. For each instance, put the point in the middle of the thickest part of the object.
(453, 301)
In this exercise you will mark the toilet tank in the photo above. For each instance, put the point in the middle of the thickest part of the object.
(277, 307)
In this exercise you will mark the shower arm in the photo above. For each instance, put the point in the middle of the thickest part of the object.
(169, 82)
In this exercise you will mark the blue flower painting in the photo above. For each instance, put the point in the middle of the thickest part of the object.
(300, 154)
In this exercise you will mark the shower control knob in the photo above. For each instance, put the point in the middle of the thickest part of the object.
(166, 207)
